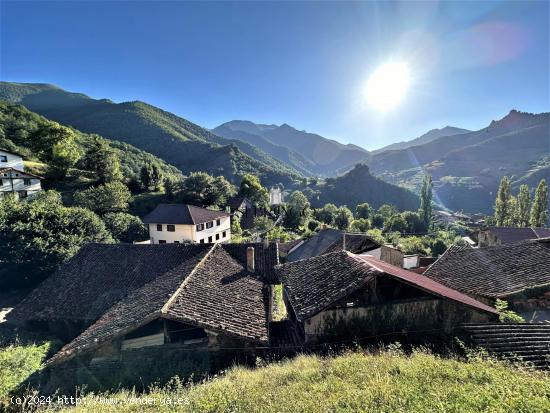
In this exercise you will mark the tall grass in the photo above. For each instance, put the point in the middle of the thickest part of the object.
(387, 382)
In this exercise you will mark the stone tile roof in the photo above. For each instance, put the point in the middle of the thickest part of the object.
(137, 309)
(212, 291)
(182, 214)
(494, 272)
(508, 235)
(331, 240)
(223, 296)
(100, 275)
(316, 283)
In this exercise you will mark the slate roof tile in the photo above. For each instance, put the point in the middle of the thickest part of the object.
(496, 271)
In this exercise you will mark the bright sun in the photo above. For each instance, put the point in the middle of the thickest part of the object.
(388, 85)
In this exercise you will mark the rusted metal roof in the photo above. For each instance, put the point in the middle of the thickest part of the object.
(422, 282)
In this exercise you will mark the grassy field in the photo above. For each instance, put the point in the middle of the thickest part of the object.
(354, 382)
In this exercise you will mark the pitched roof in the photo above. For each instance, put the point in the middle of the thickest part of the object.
(21, 172)
(508, 235)
(222, 295)
(331, 240)
(11, 152)
(496, 271)
(182, 214)
(423, 283)
(215, 292)
(315, 283)
(99, 276)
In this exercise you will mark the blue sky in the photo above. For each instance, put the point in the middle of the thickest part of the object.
(305, 64)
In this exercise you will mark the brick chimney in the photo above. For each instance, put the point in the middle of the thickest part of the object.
(250, 259)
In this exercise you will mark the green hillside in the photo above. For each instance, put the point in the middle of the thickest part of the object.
(179, 142)
(358, 186)
(20, 132)
(468, 167)
(386, 382)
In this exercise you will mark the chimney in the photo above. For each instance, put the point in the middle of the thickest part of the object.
(250, 259)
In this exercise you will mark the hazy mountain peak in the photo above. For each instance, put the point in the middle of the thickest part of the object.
(429, 136)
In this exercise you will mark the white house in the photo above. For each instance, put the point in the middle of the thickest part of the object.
(11, 160)
(275, 196)
(16, 181)
(177, 223)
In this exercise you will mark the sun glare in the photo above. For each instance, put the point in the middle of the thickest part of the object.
(387, 86)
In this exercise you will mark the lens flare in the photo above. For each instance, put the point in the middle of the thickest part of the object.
(388, 85)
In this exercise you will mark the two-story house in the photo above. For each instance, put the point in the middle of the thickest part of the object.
(14, 179)
(178, 223)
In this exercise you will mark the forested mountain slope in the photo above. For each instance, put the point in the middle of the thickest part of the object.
(467, 168)
(174, 139)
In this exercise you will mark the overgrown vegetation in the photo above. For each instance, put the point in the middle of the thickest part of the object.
(388, 382)
(20, 357)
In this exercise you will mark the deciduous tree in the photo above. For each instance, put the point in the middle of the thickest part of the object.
(539, 211)
(523, 206)
(502, 203)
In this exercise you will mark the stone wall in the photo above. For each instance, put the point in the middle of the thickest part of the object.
(400, 317)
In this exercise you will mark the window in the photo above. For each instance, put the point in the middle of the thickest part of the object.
(1, 182)
(218, 222)
(170, 228)
(162, 241)
(159, 227)
(210, 239)
(202, 241)
(209, 224)
(223, 234)
(176, 242)
(3, 158)
(217, 237)
(200, 227)
(26, 181)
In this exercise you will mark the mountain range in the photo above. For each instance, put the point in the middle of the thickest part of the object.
(425, 138)
(176, 140)
(466, 165)
(309, 153)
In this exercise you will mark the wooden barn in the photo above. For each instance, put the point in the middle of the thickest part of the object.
(341, 296)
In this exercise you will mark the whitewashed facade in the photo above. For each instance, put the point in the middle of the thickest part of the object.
(11, 160)
(275, 196)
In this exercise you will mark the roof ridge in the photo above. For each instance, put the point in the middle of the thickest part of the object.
(310, 258)
(11, 168)
(170, 301)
